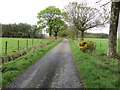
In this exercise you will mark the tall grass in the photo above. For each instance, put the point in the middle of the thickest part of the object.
(96, 69)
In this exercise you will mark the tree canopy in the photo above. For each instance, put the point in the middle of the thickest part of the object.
(58, 25)
(46, 17)
(84, 17)
(22, 30)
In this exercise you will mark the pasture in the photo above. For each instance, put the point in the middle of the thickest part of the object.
(102, 44)
(18, 44)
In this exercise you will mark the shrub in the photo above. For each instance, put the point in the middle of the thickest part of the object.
(86, 46)
(63, 37)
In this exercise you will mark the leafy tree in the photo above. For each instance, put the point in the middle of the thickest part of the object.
(84, 17)
(58, 25)
(45, 17)
(16, 30)
(24, 29)
(34, 28)
(36, 31)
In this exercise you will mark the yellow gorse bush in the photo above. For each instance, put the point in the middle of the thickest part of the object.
(63, 37)
(86, 46)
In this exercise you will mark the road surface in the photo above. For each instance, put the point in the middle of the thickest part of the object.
(54, 70)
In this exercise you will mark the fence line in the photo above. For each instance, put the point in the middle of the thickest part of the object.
(26, 44)
(6, 45)
(100, 44)
(32, 41)
(20, 45)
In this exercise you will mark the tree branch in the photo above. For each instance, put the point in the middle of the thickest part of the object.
(105, 4)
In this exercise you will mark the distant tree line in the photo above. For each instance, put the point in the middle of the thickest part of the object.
(21, 30)
(96, 35)
(74, 33)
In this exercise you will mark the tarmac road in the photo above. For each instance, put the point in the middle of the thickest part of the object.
(54, 70)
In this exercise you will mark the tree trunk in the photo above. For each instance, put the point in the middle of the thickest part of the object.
(82, 35)
(55, 35)
(50, 33)
(112, 43)
(77, 34)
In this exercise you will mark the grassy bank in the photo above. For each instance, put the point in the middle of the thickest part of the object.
(96, 69)
(12, 69)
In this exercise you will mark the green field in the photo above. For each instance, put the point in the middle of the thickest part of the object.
(102, 44)
(96, 69)
(12, 44)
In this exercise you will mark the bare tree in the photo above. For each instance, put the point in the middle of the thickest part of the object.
(115, 9)
(84, 17)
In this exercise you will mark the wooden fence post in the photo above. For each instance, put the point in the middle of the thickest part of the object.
(100, 45)
(95, 45)
(18, 45)
(32, 42)
(26, 44)
(6, 47)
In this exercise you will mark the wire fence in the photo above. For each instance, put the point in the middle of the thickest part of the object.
(10, 46)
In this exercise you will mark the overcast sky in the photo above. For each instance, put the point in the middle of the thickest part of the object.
(25, 11)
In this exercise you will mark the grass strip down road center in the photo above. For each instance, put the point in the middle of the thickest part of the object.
(97, 70)
(14, 68)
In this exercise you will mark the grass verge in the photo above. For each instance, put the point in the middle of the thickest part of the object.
(12, 69)
(96, 69)
(20, 53)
